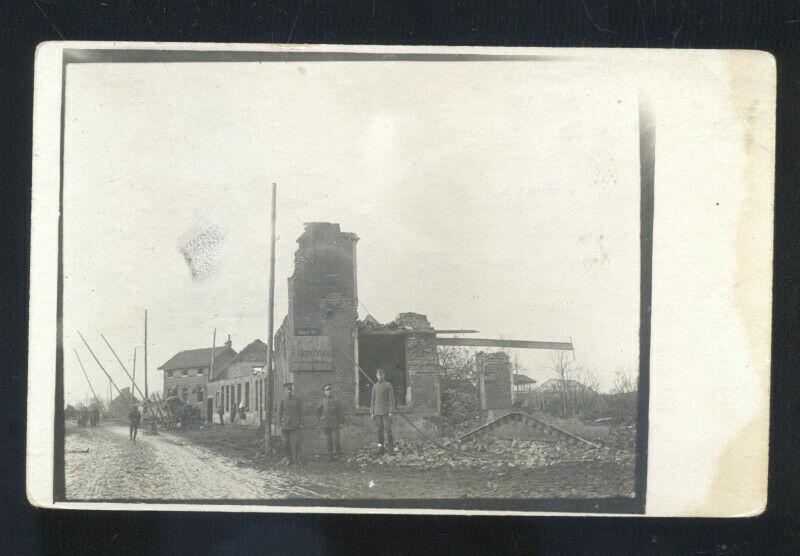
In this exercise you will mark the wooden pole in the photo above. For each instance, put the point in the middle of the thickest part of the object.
(133, 377)
(145, 354)
(270, 334)
(87, 379)
(111, 380)
(121, 364)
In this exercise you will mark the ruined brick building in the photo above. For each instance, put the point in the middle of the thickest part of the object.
(321, 340)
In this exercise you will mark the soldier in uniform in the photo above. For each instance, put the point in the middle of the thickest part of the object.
(381, 409)
(331, 415)
(134, 417)
(290, 417)
(221, 411)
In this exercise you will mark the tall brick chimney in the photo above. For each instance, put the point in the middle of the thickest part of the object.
(324, 279)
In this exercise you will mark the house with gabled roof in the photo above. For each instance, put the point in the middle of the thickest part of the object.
(238, 389)
(188, 372)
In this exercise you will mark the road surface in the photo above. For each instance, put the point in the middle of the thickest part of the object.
(101, 463)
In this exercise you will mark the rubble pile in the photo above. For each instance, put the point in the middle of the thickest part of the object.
(623, 437)
(488, 455)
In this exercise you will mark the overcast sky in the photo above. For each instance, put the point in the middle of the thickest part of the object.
(498, 196)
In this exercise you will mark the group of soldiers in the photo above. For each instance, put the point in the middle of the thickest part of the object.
(89, 417)
(331, 416)
(329, 412)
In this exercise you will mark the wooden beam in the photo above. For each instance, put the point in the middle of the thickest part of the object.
(486, 342)
(456, 331)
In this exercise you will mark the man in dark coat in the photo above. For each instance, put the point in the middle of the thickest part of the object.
(331, 415)
(290, 417)
(382, 408)
(134, 417)
(95, 416)
(221, 411)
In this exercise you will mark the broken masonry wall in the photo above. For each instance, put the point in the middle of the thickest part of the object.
(422, 367)
(494, 384)
(316, 342)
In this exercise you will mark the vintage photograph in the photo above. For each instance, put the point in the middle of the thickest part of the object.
(316, 279)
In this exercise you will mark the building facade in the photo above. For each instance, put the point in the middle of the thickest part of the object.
(239, 388)
(321, 341)
(186, 375)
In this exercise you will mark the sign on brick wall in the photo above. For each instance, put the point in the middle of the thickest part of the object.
(312, 353)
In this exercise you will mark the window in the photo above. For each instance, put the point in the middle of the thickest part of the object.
(199, 393)
(227, 398)
(258, 370)
(247, 395)
(184, 372)
(185, 394)
(169, 374)
(200, 372)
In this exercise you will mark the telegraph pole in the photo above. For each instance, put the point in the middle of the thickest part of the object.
(133, 378)
(87, 379)
(271, 323)
(99, 364)
(145, 354)
(121, 364)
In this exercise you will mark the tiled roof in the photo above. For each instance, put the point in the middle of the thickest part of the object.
(193, 358)
(255, 354)
(520, 379)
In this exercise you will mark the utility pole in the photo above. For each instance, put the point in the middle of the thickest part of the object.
(271, 323)
(87, 378)
(111, 380)
(145, 354)
(121, 364)
(133, 377)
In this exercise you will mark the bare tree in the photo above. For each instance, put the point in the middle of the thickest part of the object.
(625, 381)
(564, 368)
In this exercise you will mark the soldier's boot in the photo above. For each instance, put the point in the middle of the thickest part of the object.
(389, 441)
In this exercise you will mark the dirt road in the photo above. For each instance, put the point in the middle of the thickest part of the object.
(102, 463)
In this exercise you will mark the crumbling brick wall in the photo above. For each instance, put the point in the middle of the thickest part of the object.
(323, 301)
(422, 366)
(494, 381)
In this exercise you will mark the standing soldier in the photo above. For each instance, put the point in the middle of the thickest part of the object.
(221, 411)
(331, 415)
(134, 417)
(382, 408)
(290, 416)
(95, 416)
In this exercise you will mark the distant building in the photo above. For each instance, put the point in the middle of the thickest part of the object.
(121, 405)
(522, 389)
(242, 378)
(562, 397)
(186, 374)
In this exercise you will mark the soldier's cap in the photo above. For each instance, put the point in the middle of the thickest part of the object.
(327, 386)
(288, 384)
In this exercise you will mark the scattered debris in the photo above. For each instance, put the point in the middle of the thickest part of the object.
(493, 455)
